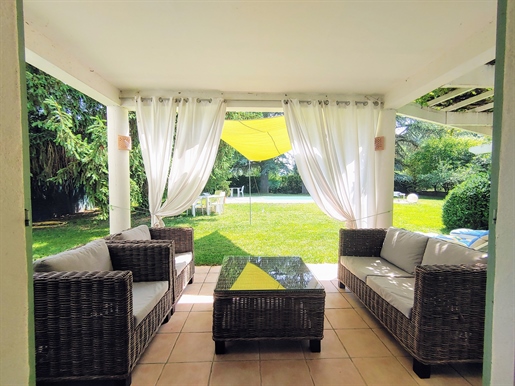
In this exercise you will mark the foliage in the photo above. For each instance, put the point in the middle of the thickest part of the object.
(467, 205)
(87, 157)
(47, 155)
(441, 163)
(221, 173)
(276, 229)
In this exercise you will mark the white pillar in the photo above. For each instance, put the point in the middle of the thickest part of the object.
(16, 288)
(384, 169)
(119, 172)
(500, 308)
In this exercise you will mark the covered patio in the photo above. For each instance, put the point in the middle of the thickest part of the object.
(255, 55)
(356, 350)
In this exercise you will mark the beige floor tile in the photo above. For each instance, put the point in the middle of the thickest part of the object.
(286, 372)
(441, 375)
(336, 300)
(199, 277)
(383, 371)
(202, 269)
(329, 287)
(369, 318)
(193, 347)
(235, 373)
(331, 347)
(472, 372)
(336, 283)
(361, 343)
(146, 374)
(212, 277)
(344, 318)
(192, 289)
(180, 374)
(327, 324)
(183, 307)
(207, 289)
(280, 349)
(326, 372)
(390, 342)
(353, 300)
(198, 322)
(239, 351)
(215, 268)
(203, 307)
(175, 323)
(159, 348)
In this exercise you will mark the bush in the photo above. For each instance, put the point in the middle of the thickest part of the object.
(467, 205)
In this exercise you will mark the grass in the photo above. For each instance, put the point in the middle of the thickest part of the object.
(276, 229)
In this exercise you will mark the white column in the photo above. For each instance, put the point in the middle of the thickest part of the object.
(16, 288)
(500, 313)
(384, 169)
(119, 172)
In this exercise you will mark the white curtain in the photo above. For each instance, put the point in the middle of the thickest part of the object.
(333, 146)
(156, 128)
(199, 128)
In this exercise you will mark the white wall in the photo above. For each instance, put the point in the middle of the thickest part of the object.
(16, 347)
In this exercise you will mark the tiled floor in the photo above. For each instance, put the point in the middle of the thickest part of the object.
(355, 349)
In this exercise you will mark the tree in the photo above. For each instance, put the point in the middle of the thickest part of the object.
(441, 163)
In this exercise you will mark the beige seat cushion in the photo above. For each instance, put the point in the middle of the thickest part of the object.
(145, 296)
(443, 252)
(398, 291)
(404, 248)
(138, 233)
(93, 256)
(362, 267)
(182, 260)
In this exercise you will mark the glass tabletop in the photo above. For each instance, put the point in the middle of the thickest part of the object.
(265, 273)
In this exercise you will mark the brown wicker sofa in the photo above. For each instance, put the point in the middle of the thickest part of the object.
(184, 254)
(445, 321)
(96, 309)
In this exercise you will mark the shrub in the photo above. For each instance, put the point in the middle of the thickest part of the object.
(467, 204)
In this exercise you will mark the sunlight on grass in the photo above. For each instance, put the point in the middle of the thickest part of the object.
(276, 230)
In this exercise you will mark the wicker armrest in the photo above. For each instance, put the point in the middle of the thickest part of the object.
(148, 260)
(82, 320)
(450, 298)
(361, 242)
(182, 236)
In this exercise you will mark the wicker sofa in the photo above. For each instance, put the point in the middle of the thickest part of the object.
(97, 307)
(184, 254)
(428, 293)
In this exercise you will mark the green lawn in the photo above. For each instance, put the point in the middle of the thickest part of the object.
(276, 229)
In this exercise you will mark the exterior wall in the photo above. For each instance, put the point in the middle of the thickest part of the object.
(16, 305)
(500, 312)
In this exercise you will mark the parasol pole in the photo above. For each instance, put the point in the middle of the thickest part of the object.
(250, 198)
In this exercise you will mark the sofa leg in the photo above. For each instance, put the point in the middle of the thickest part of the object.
(191, 280)
(423, 371)
(341, 285)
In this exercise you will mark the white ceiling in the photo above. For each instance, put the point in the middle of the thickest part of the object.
(398, 50)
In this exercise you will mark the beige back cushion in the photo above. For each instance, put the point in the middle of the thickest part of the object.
(443, 252)
(138, 233)
(404, 248)
(93, 256)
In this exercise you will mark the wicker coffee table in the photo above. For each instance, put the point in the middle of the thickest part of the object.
(267, 298)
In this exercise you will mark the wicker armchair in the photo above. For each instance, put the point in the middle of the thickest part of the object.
(447, 321)
(85, 329)
(183, 237)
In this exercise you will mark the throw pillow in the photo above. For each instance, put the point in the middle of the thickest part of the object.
(404, 248)
(442, 252)
(138, 233)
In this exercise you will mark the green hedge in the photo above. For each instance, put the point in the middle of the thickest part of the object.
(467, 205)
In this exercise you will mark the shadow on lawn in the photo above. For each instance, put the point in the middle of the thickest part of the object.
(211, 249)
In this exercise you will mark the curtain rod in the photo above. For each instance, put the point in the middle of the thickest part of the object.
(346, 103)
(177, 100)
